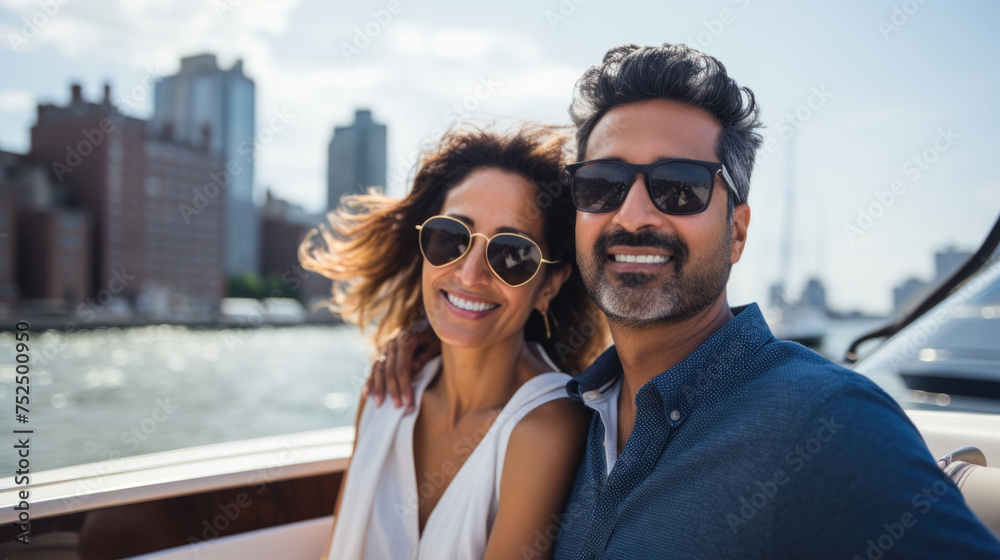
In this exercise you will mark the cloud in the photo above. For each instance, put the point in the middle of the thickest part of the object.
(464, 44)
(16, 100)
(138, 33)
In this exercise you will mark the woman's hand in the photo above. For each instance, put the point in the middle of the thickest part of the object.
(398, 361)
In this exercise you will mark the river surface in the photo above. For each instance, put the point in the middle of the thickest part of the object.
(155, 388)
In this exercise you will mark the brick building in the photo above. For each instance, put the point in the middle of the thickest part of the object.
(134, 186)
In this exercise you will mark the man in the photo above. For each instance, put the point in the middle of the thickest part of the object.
(710, 438)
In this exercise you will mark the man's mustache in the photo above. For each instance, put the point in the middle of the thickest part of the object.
(670, 243)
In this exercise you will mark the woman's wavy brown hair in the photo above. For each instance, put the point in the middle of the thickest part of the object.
(370, 247)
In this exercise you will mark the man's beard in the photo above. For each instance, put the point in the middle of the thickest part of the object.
(639, 300)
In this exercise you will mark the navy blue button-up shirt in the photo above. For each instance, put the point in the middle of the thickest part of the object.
(753, 447)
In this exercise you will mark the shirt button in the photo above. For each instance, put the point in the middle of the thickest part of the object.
(675, 416)
(591, 396)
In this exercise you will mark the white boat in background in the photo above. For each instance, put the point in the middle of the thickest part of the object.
(269, 311)
(804, 324)
(284, 311)
(241, 311)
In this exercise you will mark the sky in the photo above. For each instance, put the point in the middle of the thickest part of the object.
(890, 105)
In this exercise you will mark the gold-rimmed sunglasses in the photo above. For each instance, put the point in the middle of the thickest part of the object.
(513, 258)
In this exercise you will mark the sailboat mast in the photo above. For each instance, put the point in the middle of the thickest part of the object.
(789, 227)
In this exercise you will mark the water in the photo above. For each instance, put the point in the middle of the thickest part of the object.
(97, 394)
(146, 389)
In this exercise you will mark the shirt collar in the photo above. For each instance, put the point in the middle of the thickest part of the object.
(714, 369)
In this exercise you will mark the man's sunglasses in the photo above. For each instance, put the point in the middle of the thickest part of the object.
(676, 186)
(512, 257)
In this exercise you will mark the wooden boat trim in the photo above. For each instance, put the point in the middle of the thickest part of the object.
(119, 481)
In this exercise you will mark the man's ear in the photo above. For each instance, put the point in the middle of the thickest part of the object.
(741, 222)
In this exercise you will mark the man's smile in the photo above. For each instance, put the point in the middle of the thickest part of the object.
(647, 260)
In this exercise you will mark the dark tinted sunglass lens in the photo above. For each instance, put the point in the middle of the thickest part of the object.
(681, 188)
(514, 258)
(600, 187)
(443, 241)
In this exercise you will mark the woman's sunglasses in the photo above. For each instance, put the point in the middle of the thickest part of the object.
(676, 186)
(514, 258)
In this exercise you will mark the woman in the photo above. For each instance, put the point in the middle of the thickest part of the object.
(482, 464)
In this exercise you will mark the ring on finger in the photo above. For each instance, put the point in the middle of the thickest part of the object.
(382, 358)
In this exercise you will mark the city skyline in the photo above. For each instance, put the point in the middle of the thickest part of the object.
(888, 124)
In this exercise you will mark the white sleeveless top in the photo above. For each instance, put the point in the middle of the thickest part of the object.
(378, 516)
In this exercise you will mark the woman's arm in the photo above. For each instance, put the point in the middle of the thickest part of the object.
(543, 453)
(343, 481)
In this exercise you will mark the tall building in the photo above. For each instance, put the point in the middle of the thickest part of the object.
(200, 97)
(135, 186)
(948, 261)
(356, 158)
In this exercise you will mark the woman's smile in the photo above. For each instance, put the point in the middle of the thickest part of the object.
(467, 306)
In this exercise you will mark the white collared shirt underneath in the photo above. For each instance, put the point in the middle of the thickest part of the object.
(605, 402)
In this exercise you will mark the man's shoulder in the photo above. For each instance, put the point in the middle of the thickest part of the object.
(794, 373)
(794, 387)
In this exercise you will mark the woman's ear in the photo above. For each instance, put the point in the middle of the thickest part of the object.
(553, 283)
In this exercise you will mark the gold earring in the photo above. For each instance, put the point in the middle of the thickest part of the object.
(545, 317)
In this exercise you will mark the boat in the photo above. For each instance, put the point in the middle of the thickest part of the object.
(800, 323)
(268, 497)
